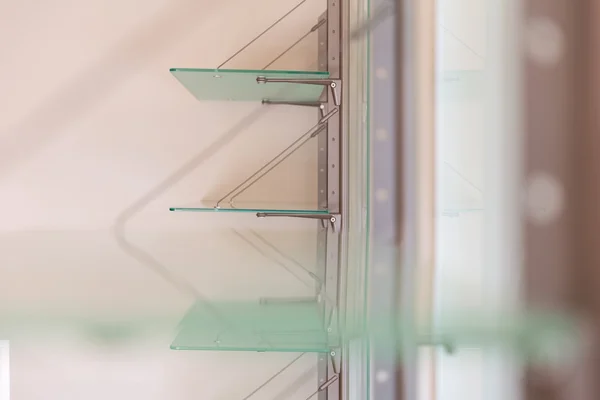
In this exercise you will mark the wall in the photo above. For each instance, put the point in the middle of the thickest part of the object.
(95, 134)
(460, 133)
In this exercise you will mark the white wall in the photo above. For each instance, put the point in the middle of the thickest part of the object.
(460, 136)
(91, 124)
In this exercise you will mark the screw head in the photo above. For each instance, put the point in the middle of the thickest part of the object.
(333, 84)
(333, 219)
(332, 354)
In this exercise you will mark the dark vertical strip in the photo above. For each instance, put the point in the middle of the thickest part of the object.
(585, 284)
(562, 251)
(399, 29)
(383, 290)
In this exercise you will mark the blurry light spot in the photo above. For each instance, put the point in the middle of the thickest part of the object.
(382, 376)
(545, 198)
(217, 76)
(381, 195)
(545, 41)
(381, 73)
(381, 134)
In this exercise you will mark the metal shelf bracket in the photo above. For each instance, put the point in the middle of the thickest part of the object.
(334, 84)
(335, 220)
(318, 104)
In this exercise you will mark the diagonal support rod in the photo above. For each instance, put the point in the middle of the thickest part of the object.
(318, 104)
(278, 373)
(330, 381)
(275, 161)
(262, 33)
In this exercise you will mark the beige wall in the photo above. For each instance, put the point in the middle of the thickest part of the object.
(92, 122)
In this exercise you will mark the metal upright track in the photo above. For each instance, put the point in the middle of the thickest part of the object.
(401, 191)
(330, 193)
(322, 195)
(384, 229)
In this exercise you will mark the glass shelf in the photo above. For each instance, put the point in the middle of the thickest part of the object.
(241, 85)
(253, 207)
(294, 326)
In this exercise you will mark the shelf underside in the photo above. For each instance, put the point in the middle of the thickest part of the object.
(241, 85)
(253, 207)
(270, 327)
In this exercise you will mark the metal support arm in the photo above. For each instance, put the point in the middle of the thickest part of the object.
(318, 104)
(334, 219)
(334, 84)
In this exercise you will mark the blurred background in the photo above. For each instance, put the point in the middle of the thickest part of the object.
(469, 191)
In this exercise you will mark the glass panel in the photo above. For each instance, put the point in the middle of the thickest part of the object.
(241, 85)
(294, 326)
(288, 208)
(358, 220)
(261, 276)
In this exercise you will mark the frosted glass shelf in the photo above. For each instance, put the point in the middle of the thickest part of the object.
(246, 210)
(270, 327)
(253, 207)
(241, 85)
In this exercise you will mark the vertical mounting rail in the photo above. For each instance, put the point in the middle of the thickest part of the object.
(323, 165)
(330, 190)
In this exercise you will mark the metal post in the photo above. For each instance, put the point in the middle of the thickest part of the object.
(334, 140)
(322, 200)
(385, 215)
(330, 192)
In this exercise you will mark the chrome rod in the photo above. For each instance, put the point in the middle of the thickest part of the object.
(262, 33)
(329, 217)
(334, 84)
(314, 28)
(295, 103)
(324, 386)
(300, 81)
(262, 172)
(315, 130)
(273, 377)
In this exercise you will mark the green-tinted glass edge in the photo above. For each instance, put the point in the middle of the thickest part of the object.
(368, 197)
(252, 71)
(246, 210)
(324, 349)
